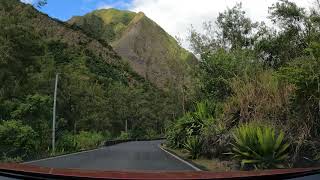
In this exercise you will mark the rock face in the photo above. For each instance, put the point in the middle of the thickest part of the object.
(149, 50)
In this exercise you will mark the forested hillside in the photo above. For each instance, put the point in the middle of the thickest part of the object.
(97, 91)
(259, 92)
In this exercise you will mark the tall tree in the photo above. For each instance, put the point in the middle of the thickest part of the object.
(235, 28)
(232, 30)
(289, 40)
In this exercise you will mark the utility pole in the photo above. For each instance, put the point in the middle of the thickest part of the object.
(54, 114)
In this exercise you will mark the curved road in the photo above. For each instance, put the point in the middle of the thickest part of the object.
(140, 155)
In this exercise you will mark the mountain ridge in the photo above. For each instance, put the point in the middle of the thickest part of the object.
(147, 47)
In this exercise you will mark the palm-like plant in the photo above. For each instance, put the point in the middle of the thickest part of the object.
(194, 146)
(260, 146)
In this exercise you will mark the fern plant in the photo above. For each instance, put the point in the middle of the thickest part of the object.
(194, 146)
(260, 147)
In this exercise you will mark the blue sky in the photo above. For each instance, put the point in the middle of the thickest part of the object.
(65, 9)
(175, 16)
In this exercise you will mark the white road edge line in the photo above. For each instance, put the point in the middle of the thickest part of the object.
(65, 155)
(178, 158)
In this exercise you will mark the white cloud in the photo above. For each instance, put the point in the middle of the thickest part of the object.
(28, 1)
(176, 16)
(117, 4)
(105, 6)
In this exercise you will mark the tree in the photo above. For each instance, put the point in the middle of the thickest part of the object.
(304, 74)
(289, 41)
(205, 42)
(17, 140)
(35, 111)
(287, 15)
(232, 30)
(236, 28)
(216, 71)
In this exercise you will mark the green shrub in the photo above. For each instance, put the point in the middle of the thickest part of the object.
(304, 74)
(124, 136)
(67, 143)
(107, 135)
(82, 141)
(88, 140)
(260, 146)
(191, 124)
(138, 132)
(11, 160)
(151, 134)
(194, 146)
(182, 129)
(17, 141)
(216, 139)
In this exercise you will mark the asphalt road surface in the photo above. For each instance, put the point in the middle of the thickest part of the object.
(141, 155)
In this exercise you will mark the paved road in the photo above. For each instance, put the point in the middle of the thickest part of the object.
(142, 155)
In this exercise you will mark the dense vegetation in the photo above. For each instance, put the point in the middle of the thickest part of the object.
(97, 91)
(259, 89)
(148, 49)
(254, 97)
(104, 24)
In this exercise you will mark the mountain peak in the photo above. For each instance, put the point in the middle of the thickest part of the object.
(107, 9)
(141, 13)
(139, 16)
(150, 51)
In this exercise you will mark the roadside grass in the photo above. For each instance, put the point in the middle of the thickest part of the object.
(212, 165)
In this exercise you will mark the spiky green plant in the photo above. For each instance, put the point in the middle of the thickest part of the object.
(194, 146)
(260, 146)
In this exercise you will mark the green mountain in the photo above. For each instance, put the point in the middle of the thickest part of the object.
(150, 51)
(98, 92)
(108, 25)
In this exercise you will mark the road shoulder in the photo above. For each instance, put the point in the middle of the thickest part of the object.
(192, 165)
(212, 165)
